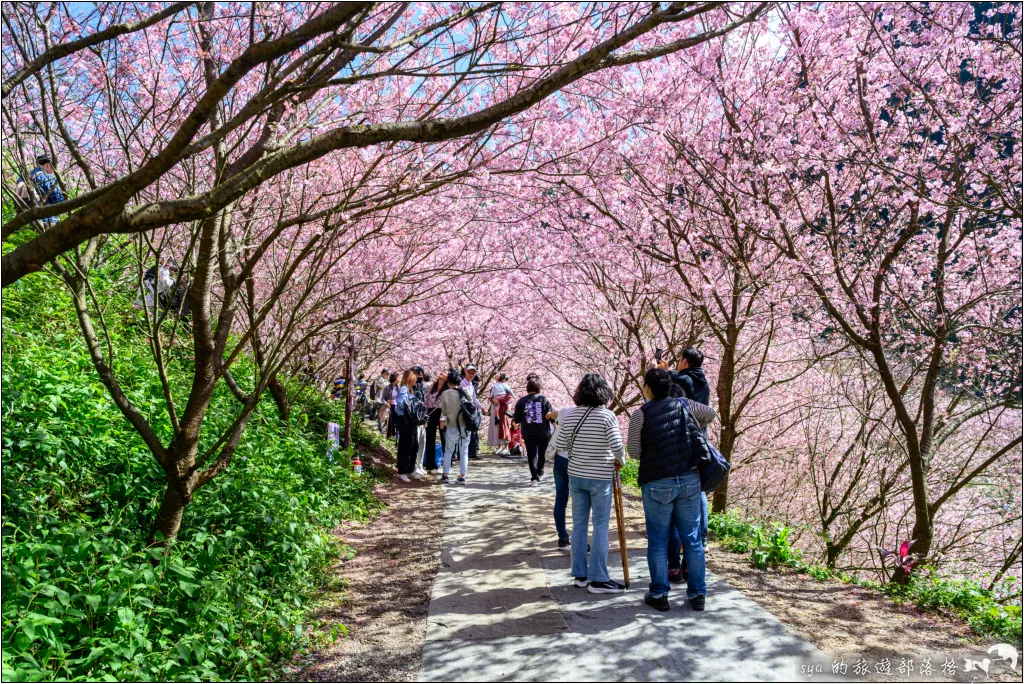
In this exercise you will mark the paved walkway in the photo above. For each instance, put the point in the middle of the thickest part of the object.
(503, 607)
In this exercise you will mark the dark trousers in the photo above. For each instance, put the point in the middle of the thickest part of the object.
(561, 472)
(392, 423)
(429, 454)
(406, 449)
(474, 444)
(535, 447)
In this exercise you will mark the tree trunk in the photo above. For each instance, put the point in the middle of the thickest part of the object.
(727, 436)
(168, 517)
(727, 442)
(349, 395)
(831, 555)
(280, 395)
(922, 535)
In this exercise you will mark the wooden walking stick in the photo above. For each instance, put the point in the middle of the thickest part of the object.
(621, 520)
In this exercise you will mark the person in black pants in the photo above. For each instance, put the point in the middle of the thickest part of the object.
(408, 430)
(390, 396)
(434, 423)
(530, 413)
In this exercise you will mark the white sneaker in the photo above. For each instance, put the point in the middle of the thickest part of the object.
(433, 472)
(533, 483)
(403, 477)
(416, 476)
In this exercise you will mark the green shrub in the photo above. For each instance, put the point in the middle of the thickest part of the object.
(966, 599)
(83, 599)
(735, 534)
(630, 472)
(318, 411)
(818, 572)
(773, 549)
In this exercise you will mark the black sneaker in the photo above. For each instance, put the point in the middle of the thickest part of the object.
(609, 587)
(444, 479)
(697, 603)
(580, 582)
(660, 603)
(564, 544)
(675, 576)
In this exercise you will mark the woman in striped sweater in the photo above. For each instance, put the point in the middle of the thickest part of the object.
(591, 437)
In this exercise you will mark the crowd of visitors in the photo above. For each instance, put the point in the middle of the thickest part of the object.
(436, 422)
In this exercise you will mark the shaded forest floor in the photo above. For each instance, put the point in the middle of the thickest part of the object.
(382, 594)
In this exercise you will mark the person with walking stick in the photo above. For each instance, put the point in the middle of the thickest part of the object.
(666, 438)
(590, 436)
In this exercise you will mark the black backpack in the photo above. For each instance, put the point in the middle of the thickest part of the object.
(469, 412)
(414, 412)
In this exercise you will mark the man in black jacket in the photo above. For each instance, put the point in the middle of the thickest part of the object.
(666, 439)
(690, 376)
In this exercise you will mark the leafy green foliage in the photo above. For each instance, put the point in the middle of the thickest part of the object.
(318, 412)
(83, 599)
(766, 547)
(964, 599)
(630, 472)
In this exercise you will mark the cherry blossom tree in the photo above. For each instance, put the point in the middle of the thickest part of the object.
(890, 185)
(276, 87)
(270, 151)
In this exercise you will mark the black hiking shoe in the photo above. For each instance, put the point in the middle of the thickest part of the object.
(444, 479)
(660, 603)
(579, 582)
(697, 603)
(564, 544)
(609, 587)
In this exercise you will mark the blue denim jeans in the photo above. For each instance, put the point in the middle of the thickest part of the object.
(589, 495)
(561, 471)
(676, 539)
(453, 439)
(674, 500)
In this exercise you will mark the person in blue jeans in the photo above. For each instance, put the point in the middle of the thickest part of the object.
(561, 473)
(590, 436)
(676, 572)
(674, 500)
(453, 425)
(666, 439)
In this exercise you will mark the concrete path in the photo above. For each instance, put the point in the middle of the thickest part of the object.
(503, 606)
